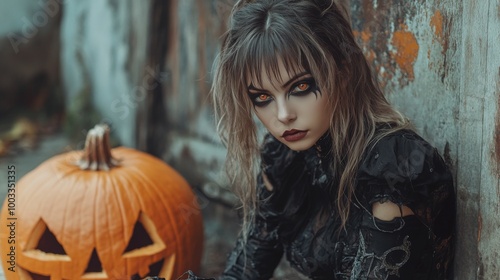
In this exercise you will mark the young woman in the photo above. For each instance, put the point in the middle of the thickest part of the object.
(342, 185)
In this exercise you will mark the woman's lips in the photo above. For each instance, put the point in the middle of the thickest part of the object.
(294, 135)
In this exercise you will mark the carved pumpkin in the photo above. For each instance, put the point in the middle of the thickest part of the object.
(101, 218)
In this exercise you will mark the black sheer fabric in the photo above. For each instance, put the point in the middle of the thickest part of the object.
(298, 217)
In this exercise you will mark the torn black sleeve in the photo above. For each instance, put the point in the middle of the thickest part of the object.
(398, 249)
(406, 170)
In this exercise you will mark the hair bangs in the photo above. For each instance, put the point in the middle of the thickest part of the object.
(260, 57)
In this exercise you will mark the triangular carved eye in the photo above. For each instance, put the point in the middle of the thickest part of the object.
(145, 239)
(42, 245)
(49, 244)
(42, 241)
(140, 238)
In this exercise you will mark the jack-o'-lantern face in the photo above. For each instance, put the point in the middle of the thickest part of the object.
(43, 246)
(135, 220)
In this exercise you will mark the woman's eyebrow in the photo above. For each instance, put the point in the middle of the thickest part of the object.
(294, 78)
(252, 87)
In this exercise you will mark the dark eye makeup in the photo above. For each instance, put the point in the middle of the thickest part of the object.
(300, 88)
(260, 99)
(303, 87)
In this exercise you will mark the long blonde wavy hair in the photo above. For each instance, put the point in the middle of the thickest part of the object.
(314, 35)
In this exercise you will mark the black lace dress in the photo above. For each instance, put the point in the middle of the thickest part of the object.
(297, 218)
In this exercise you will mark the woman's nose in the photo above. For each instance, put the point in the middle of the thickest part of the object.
(285, 112)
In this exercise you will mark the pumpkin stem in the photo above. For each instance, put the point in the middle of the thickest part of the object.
(97, 151)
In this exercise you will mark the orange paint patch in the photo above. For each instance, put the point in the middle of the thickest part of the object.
(437, 23)
(356, 33)
(441, 27)
(363, 35)
(366, 36)
(406, 51)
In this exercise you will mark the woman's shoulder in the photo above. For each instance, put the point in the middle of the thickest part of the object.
(402, 157)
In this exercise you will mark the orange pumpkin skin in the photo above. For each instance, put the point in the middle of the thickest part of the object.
(97, 210)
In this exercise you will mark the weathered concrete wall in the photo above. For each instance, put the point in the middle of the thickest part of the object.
(479, 164)
(16, 15)
(104, 45)
(413, 47)
(29, 54)
(193, 145)
(439, 64)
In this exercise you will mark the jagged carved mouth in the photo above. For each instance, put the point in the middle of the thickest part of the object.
(155, 269)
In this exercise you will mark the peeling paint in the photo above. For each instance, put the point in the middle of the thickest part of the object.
(437, 23)
(388, 46)
(383, 31)
(365, 37)
(441, 25)
(406, 52)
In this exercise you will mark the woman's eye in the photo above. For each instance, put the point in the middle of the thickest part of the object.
(262, 98)
(302, 87)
